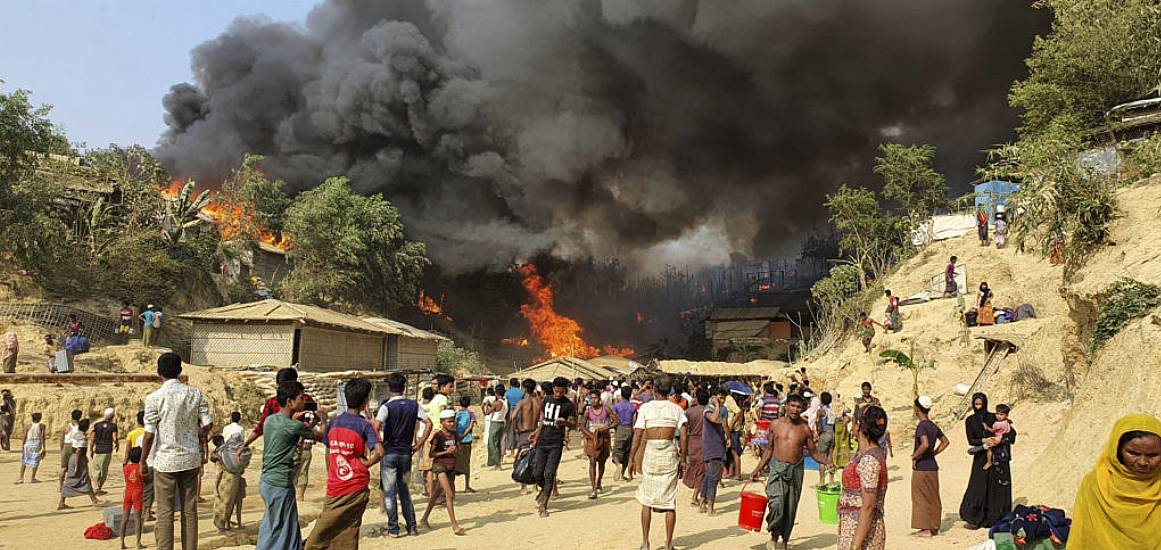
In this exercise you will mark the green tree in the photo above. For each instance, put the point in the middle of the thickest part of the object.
(182, 212)
(451, 358)
(910, 179)
(905, 362)
(26, 136)
(263, 198)
(1099, 53)
(873, 238)
(350, 250)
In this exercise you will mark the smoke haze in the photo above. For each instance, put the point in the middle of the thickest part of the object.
(658, 131)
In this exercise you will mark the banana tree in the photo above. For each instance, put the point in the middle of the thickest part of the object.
(181, 212)
(904, 361)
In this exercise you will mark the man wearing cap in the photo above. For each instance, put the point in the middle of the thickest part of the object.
(926, 507)
(147, 325)
(102, 445)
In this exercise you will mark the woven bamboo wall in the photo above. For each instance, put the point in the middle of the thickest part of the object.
(322, 350)
(240, 344)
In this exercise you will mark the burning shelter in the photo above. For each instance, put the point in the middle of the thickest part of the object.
(720, 370)
(747, 333)
(568, 367)
(276, 333)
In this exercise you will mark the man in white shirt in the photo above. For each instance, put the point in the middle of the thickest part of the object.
(658, 423)
(177, 419)
(234, 429)
(497, 412)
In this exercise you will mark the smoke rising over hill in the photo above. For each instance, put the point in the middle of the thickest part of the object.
(655, 130)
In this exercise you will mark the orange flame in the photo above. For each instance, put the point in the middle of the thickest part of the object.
(429, 306)
(522, 342)
(559, 335)
(231, 218)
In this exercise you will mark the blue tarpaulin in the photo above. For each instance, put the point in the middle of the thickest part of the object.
(991, 193)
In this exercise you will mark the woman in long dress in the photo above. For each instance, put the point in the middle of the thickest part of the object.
(842, 433)
(989, 491)
(865, 478)
(76, 481)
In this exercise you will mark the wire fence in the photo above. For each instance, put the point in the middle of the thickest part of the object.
(98, 328)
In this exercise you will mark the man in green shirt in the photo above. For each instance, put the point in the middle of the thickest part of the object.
(280, 435)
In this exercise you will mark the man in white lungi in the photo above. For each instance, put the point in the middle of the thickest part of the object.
(658, 458)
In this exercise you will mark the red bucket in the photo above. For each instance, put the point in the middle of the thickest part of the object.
(753, 510)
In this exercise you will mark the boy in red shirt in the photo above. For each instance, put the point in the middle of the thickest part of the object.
(134, 495)
(352, 447)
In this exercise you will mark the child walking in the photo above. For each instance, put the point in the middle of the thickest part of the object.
(444, 446)
(134, 501)
(229, 488)
(33, 448)
(465, 425)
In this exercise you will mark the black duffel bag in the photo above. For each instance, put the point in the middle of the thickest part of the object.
(523, 470)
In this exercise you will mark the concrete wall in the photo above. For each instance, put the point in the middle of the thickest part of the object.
(241, 344)
(331, 350)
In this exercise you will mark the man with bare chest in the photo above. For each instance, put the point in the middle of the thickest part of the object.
(788, 436)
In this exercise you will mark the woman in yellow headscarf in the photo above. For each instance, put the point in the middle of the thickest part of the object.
(1119, 501)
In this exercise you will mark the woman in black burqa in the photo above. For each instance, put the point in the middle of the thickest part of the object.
(989, 492)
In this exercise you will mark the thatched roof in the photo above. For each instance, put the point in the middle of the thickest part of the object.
(745, 313)
(404, 329)
(568, 367)
(623, 365)
(279, 312)
(761, 367)
(729, 330)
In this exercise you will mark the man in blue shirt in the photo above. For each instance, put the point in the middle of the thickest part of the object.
(399, 418)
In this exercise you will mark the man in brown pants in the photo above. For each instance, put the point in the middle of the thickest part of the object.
(177, 416)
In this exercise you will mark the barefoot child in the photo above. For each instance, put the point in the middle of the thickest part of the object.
(444, 445)
(134, 495)
(33, 448)
(465, 425)
(998, 429)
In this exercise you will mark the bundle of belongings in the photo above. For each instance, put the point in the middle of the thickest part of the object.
(1031, 528)
(989, 315)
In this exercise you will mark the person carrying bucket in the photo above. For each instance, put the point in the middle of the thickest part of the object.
(788, 436)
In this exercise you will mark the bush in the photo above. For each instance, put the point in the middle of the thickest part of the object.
(451, 358)
(1145, 157)
(1124, 301)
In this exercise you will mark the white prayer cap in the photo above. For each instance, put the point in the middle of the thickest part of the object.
(925, 402)
(447, 413)
(109, 413)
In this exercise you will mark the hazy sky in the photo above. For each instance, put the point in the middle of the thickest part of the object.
(105, 64)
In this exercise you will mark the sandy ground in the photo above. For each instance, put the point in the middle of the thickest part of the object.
(497, 511)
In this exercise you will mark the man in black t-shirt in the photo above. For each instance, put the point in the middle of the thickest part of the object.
(103, 444)
(557, 415)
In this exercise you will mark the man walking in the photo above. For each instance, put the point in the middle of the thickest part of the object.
(281, 433)
(497, 413)
(557, 415)
(102, 446)
(513, 397)
(788, 436)
(177, 418)
(399, 417)
(352, 448)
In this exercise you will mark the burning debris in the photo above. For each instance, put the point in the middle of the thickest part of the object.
(559, 335)
(429, 306)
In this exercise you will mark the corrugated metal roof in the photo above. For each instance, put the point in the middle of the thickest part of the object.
(271, 310)
(761, 367)
(741, 313)
(404, 329)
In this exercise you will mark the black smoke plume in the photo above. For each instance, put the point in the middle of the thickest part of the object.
(658, 131)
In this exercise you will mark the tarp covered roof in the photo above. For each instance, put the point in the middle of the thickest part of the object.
(404, 329)
(271, 310)
(568, 367)
(742, 313)
(760, 367)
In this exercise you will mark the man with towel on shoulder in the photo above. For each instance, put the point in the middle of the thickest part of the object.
(658, 458)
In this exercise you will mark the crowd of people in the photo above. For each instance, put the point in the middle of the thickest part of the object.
(660, 433)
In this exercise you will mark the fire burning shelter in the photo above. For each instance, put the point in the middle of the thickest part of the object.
(276, 333)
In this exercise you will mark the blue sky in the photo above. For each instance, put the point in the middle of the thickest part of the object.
(105, 64)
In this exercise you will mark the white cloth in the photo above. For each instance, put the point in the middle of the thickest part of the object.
(78, 439)
(498, 417)
(233, 430)
(660, 413)
(172, 415)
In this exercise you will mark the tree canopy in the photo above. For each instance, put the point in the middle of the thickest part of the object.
(1099, 53)
(350, 250)
(910, 180)
(871, 236)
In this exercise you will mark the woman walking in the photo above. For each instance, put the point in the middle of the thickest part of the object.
(1119, 501)
(694, 461)
(926, 507)
(989, 492)
(842, 432)
(860, 506)
(596, 421)
(76, 481)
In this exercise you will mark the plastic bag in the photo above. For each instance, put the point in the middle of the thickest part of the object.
(522, 469)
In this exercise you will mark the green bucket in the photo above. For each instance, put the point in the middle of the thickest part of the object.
(828, 498)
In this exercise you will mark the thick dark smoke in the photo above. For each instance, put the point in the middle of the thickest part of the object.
(659, 131)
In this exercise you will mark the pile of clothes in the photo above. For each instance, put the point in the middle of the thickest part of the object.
(988, 315)
(1031, 528)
